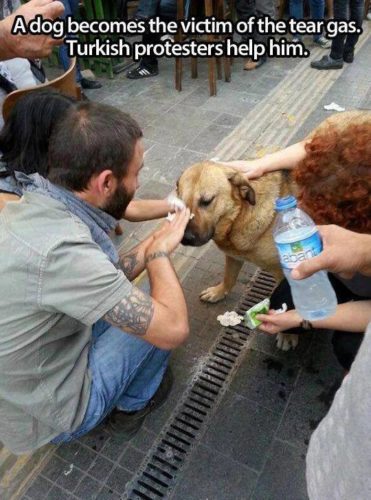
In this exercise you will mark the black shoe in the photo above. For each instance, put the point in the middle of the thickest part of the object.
(142, 71)
(90, 84)
(327, 63)
(124, 425)
(348, 56)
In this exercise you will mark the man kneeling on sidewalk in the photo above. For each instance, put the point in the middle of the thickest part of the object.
(79, 342)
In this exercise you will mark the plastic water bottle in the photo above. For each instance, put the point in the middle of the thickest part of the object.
(297, 239)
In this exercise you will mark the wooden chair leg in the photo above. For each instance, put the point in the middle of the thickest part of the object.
(367, 7)
(219, 68)
(281, 10)
(178, 38)
(212, 76)
(178, 73)
(194, 67)
(227, 68)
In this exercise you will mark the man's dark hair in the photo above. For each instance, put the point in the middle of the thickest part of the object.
(91, 138)
(24, 139)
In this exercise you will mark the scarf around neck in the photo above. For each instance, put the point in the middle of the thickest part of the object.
(99, 222)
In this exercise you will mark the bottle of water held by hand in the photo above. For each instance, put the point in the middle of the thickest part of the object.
(297, 239)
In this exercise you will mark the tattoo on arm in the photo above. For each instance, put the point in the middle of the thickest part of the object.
(155, 255)
(128, 264)
(133, 314)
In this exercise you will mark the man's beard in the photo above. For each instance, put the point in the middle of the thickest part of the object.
(118, 203)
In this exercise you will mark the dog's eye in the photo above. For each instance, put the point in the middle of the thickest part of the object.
(205, 203)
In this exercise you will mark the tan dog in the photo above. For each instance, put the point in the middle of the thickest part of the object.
(238, 215)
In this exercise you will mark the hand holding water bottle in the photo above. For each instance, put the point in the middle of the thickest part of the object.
(297, 240)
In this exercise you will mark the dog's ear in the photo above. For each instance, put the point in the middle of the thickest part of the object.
(245, 189)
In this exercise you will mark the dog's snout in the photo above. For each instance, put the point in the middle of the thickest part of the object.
(189, 237)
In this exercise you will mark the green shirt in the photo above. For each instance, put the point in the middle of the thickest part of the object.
(55, 283)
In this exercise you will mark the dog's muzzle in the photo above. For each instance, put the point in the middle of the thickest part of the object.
(194, 240)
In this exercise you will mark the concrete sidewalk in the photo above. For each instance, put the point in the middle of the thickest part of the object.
(254, 444)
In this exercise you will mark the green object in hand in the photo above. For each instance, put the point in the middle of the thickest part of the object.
(250, 315)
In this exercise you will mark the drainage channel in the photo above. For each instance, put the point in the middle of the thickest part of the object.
(157, 476)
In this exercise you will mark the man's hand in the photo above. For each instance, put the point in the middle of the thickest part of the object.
(344, 252)
(274, 323)
(29, 46)
(171, 233)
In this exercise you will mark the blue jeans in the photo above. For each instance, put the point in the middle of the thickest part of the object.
(317, 11)
(70, 9)
(126, 371)
(166, 8)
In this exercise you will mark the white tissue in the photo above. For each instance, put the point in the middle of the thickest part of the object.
(175, 203)
(282, 310)
(229, 318)
(333, 107)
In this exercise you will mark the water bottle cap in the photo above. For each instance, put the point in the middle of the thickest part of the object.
(285, 203)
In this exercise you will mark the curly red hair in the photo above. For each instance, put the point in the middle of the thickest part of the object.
(334, 179)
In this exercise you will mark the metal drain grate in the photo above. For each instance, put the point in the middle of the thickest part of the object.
(157, 476)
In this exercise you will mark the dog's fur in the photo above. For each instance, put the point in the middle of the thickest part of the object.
(239, 218)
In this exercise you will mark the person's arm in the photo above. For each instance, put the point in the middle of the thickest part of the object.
(286, 159)
(344, 252)
(349, 317)
(142, 210)
(132, 262)
(161, 319)
(29, 46)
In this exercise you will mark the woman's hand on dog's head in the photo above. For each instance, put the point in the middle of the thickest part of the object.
(251, 169)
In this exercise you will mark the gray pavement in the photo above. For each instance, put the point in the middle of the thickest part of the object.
(254, 444)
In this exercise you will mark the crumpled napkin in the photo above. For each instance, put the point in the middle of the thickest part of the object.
(229, 318)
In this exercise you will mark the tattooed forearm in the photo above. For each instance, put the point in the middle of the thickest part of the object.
(155, 255)
(129, 263)
(133, 314)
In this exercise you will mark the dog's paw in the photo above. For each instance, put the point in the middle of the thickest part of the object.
(213, 294)
(286, 341)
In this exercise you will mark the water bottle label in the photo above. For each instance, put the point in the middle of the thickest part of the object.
(291, 254)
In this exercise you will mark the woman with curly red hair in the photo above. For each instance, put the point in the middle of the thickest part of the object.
(332, 169)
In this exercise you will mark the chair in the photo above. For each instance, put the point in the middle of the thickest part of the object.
(65, 83)
(367, 7)
(212, 8)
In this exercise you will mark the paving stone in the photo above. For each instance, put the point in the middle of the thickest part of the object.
(143, 440)
(234, 430)
(227, 120)
(131, 459)
(113, 450)
(88, 489)
(101, 468)
(58, 494)
(76, 454)
(273, 396)
(70, 477)
(283, 476)
(298, 423)
(211, 475)
(54, 468)
(39, 488)
(118, 479)
(108, 494)
(95, 440)
(270, 368)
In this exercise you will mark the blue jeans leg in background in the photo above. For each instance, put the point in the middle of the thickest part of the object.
(70, 9)
(148, 8)
(317, 13)
(296, 11)
(126, 372)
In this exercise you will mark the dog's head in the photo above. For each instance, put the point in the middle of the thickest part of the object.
(215, 195)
